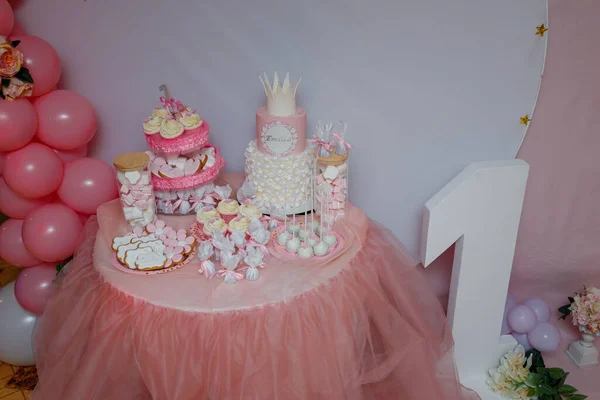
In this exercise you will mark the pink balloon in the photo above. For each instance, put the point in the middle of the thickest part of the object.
(521, 319)
(51, 232)
(7, 18)
(87, 184)
(12, 249)
(2, 158)
(18, 123)
(67, 119)
(34, 171)
(42, 61)
(15, 206)
(34, 286)
(544, 337)
(72, 155)
(17, 29)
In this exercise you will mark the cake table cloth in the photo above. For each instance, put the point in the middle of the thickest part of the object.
(362, 326)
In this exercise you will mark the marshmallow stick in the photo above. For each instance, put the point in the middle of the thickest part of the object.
(312, 196)
(321, 214)
(285, 207)
(347, 183)
(294, 214)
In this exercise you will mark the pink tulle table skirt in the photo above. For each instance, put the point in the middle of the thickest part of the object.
(362, 326)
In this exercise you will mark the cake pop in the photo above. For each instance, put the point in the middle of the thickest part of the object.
(329, 238)
(305, 251)
(321, 249)
(292, 245)
(312, 239)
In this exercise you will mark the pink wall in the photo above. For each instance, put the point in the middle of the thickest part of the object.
(558, 249)
(559, 239)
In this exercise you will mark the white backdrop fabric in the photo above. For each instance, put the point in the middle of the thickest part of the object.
(426, 86)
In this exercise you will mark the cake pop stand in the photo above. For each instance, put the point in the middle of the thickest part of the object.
(278, 251)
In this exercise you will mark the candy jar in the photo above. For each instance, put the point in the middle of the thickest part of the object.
(135, 189)
(331, 173)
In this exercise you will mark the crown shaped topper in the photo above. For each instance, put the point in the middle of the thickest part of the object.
(281, 98)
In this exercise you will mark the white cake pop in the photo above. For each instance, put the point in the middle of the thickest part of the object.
(330, 238)
(283, 238)
(305, 251)
(304, 233)
(292, 245)
(321, 248)
(312, 239)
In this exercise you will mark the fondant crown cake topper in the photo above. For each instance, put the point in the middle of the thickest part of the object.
(281, 98)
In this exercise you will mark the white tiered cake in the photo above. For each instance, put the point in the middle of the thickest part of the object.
(279, 164)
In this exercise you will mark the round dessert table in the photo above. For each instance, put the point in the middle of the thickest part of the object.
(363, 325)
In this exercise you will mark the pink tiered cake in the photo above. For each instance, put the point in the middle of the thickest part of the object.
(182, 163)
(279, 164)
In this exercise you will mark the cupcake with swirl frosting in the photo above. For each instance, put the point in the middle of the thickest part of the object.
(190, 120)
(250, 211)
(160, 112)
(152, 125)
(206, 213)
(239, 223)
(228, 209)
(171, 128)
(214, 224)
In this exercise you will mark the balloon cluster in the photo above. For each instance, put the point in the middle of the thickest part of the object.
(528, 324)
(48, 187)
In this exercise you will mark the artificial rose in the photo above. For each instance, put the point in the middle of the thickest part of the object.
(16, 89)
(11, 60)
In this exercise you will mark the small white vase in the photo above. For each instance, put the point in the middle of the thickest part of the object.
(583, 352)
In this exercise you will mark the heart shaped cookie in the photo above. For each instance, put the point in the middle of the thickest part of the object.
(168, 172)
(191, 167)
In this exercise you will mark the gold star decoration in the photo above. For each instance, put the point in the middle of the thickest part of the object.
(540, 30)
(525, 120)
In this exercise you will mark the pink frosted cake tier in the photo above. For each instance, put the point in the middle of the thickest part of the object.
(187, 182)
(191, 140)
(281, 136)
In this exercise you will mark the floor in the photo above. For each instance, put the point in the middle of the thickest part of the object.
(16, 383)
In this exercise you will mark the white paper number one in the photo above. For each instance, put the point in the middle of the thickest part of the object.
(479, 210)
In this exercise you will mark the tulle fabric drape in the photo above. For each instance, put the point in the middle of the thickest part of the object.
(374, 331)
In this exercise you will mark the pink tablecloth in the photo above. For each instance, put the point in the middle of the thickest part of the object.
(364, 326)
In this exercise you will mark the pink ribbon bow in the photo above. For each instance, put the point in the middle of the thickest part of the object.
(254, 243)
(247, 267)
(222, 273)
(175, 205)
(321, 143)
(172, 105)
(341, 139)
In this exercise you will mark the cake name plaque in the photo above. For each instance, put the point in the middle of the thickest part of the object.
(278, 138)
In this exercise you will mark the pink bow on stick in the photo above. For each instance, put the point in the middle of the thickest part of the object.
(172, 105)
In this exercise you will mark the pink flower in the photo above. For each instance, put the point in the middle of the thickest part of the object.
(17, 89)
(174, 255)
(11, 60)
(181, 239)
(159, 229)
